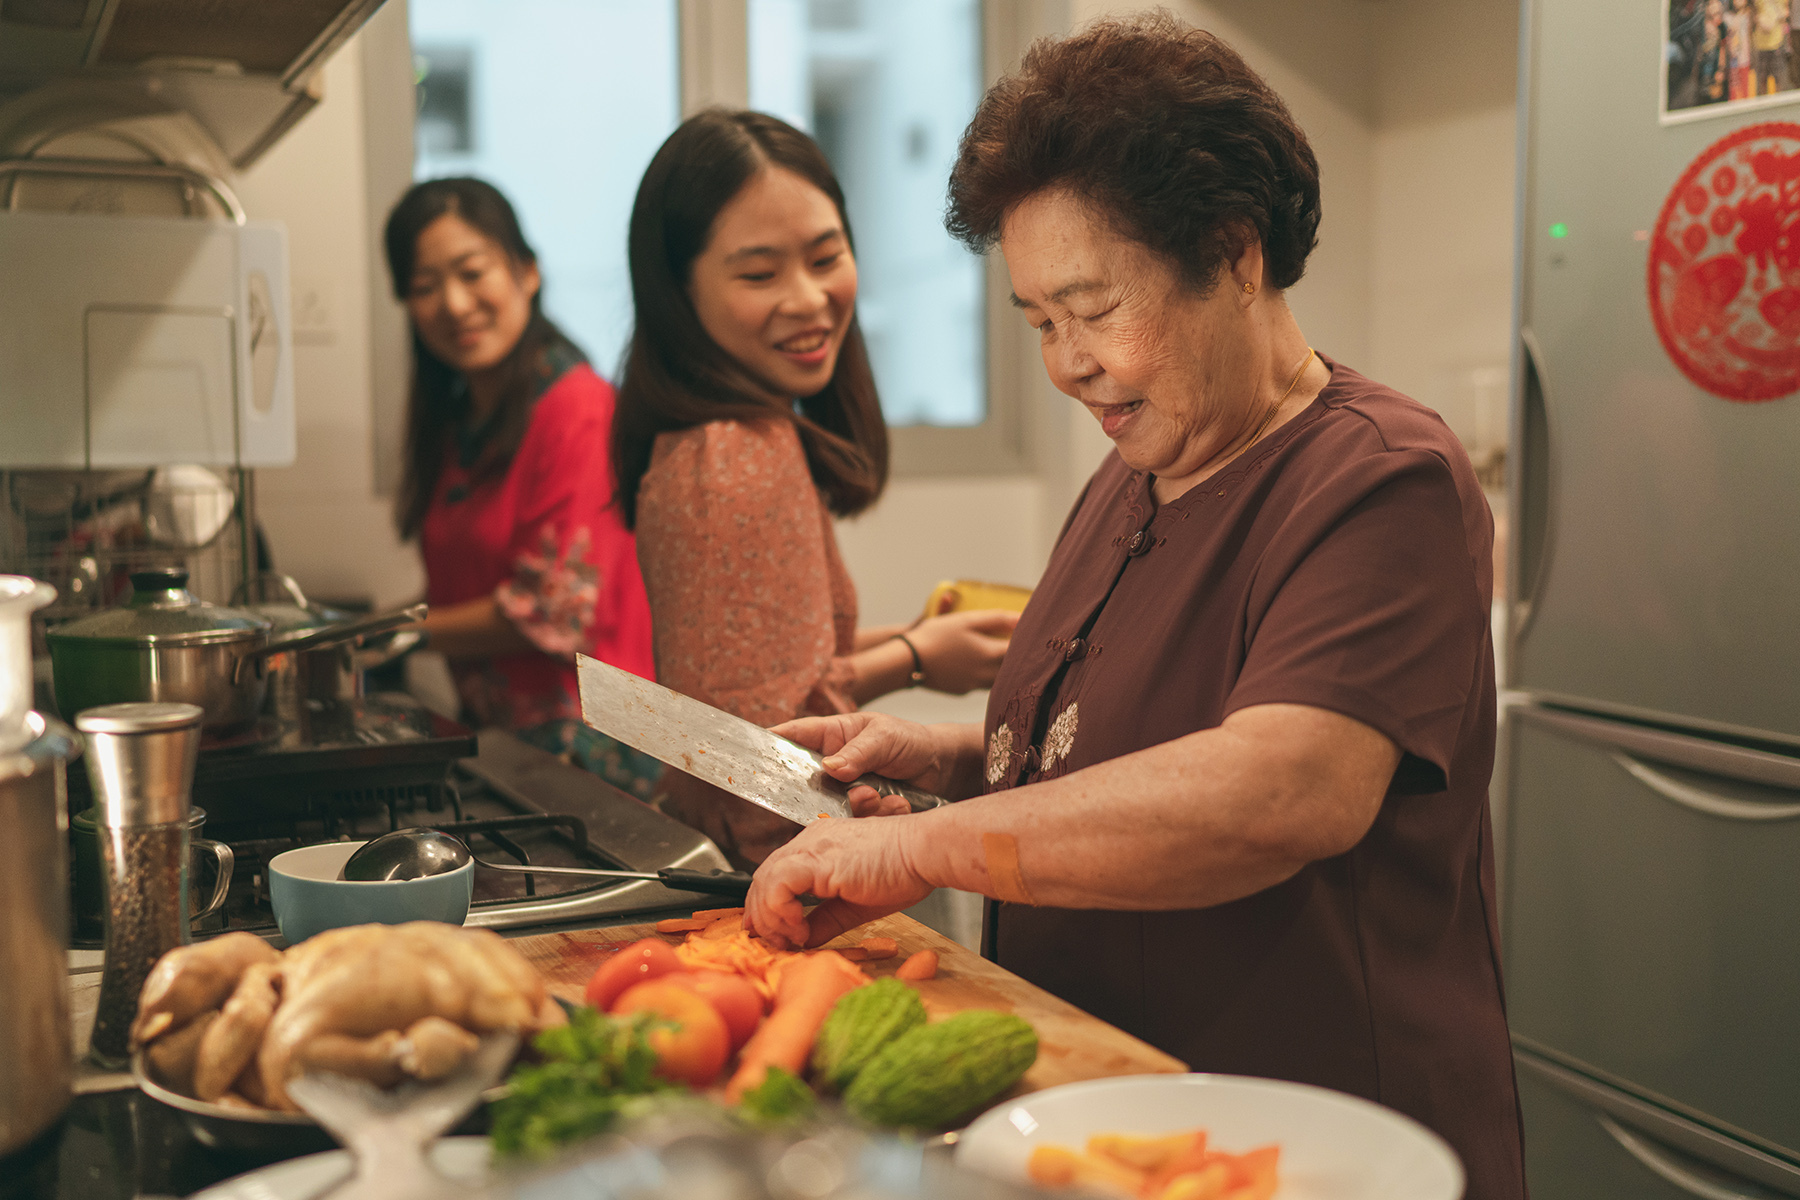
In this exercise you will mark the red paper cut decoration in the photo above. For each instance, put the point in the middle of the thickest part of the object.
(1724, 273)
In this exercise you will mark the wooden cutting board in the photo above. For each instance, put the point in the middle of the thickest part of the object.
(1072, 1046)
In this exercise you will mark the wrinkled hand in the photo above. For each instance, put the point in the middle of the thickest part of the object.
(858, 869)
(862, 743)
(962, 651)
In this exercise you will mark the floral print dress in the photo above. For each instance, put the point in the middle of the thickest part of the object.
(755, 612)
(547, 542)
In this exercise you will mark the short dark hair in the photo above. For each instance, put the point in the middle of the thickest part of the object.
(1163, 129)
(436, 402)
(675, 376)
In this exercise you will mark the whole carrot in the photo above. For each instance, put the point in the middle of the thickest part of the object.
(808, 991)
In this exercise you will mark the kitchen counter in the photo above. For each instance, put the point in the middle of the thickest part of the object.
(116, 1143)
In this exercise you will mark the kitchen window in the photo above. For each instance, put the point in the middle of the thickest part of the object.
(886, 90)
(559, 104)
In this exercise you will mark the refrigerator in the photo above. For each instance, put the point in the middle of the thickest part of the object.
(1651, 751)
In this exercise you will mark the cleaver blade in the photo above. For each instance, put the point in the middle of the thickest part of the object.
(726, 751)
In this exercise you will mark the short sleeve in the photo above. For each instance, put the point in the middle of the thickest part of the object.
(731, 540)
(553, 586)
(1375, 614)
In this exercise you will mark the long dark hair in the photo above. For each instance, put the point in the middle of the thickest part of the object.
(437, 403)
(675, 375)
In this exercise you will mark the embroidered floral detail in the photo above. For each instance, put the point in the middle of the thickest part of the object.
(551, 595)
(1061, 738)
(999, 755)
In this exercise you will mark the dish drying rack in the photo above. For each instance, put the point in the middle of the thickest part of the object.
(85, 532)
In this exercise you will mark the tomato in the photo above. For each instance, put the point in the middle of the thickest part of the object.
(636, 963)
(693, 1051)
(735, 997)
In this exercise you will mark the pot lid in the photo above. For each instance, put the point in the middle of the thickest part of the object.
(162, 612)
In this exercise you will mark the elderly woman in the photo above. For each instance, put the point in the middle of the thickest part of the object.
(1236, 761)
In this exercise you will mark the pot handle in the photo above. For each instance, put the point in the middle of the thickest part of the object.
(227, 863)
(342, 631)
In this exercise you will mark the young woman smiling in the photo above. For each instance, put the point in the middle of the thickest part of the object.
(508, 481)
(747, 419)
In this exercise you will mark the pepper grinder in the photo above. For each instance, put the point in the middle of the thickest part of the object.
(140, 760)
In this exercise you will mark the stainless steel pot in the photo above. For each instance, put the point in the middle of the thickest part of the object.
(36, 1057)
(333, 672)
(165, 645)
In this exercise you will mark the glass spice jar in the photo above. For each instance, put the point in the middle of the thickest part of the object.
(140, 760)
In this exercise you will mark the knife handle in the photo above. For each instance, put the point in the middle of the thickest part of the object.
(712, 883)
(920, 801)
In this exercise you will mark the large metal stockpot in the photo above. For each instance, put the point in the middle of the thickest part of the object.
(36, 1056)
(164, 645)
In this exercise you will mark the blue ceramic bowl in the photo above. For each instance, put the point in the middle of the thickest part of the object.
(309, 898)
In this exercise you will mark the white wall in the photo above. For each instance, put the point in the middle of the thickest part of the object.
(326, 525)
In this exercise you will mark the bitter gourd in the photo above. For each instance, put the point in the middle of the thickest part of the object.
(933, 1074)
(860, 1026)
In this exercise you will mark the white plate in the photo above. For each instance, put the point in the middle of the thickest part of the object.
(1333, 1146)
(464, 1159)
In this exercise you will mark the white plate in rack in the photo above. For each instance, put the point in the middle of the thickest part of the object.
(1333, 1146)
(463, 1159)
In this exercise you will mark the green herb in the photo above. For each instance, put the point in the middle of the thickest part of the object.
(780, 1099)
(593, 1070)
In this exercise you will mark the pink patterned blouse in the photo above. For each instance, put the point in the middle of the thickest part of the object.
(752, 610)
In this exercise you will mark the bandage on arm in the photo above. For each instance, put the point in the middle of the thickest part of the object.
(1001, 852)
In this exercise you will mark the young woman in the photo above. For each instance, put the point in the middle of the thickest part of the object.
(508, 482)
(747, 420)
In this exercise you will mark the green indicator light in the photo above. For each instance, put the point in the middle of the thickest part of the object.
(1559, 230)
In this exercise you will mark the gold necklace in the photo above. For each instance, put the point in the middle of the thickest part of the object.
(1294, 383)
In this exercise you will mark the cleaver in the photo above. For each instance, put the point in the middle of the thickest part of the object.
(725, 751)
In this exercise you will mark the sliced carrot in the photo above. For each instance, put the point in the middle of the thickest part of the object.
(1191, 1158)
(717, 914)
(1209, 1183)
(880, 947)
(722, 929)
(1144, 1153)
(1050, 1166)
(922, 965)
(680, 925)
(805, 996)
(855, 953)
(824, 816)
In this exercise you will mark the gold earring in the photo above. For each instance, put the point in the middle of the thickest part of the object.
(1249, 289)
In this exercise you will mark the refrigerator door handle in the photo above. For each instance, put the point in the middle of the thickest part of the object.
(1659, 1163)
(1701, 800)
(1532, 486)
(1724, 760)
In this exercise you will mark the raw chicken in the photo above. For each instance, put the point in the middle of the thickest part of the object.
(188, 980)
(370, 979)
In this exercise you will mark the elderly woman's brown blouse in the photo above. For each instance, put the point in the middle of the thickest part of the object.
(751, 608)
(1344, 563)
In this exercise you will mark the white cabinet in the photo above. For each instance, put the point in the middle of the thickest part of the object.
(141, 341)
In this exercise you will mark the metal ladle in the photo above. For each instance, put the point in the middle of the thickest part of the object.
(416, 853)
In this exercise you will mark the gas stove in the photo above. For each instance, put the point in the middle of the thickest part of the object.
(351, 770)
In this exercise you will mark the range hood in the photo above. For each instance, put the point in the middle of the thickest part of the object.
(243, 70)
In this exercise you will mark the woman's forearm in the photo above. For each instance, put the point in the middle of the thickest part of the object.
(873, 635)
(885, 667)
(961, 753)
(1198, 821)
(474, 629)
